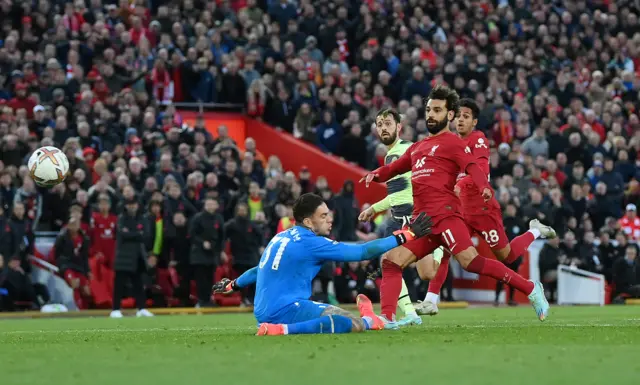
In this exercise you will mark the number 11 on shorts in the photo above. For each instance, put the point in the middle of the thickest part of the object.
(447, 235)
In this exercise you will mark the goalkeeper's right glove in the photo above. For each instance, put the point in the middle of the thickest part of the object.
(226, 286)
(420, 227)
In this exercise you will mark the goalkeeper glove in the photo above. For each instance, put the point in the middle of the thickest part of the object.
(420, 227)
(226, 286)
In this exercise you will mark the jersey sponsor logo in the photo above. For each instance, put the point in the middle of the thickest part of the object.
(422, 172)
(481, 143)
(420, 162)
(433, 150)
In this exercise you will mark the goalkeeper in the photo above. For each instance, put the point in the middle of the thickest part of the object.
(291, 261)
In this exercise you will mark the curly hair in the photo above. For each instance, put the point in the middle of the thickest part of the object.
(442, 92)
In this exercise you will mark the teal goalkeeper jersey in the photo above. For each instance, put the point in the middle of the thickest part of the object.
(399, 193)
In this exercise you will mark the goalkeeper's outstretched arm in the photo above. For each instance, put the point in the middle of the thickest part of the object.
(328, 250)
(227, 286)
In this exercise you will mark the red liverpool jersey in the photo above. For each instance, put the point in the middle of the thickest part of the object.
(472, 201)
(103, 235)
(435, 163)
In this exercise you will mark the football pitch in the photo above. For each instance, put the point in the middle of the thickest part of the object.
(577, 345)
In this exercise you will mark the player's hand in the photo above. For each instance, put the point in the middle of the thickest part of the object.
(420, 227)
(367, 179)
(367, 215)
(487, 194)
(456, 190)
(226, 286)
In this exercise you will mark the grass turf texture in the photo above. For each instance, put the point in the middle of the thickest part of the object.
(577, 345)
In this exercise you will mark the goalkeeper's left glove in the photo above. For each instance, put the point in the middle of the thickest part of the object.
(420, 227)
(226, 286)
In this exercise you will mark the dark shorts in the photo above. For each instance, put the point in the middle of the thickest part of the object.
(395, 224)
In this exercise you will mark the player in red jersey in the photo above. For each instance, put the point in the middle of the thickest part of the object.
(103, 232)
(435, 163)
(483, 218)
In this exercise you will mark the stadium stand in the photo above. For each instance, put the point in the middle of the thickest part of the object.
(132, 92)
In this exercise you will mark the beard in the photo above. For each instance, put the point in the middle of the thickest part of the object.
(389, 140)
(439, 126)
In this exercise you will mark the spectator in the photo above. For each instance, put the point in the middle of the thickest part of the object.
(207, 244)
(303, 124)
(7, 191)
(626, 274)
(630, 223)
(537, 144)
(72, 256)
(103, 232)
(131, 258)
(246, 242)
(176, 249)
(346, 214)
(32, 200)
(329, 133)
(551, 256)
(353, 147)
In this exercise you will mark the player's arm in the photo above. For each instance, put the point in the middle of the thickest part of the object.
(468, 163)
(480, 154)
(227, 286)
(382, 205)
(325, 249)
(384, 173)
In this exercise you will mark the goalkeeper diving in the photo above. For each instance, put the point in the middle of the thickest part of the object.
(291, 261)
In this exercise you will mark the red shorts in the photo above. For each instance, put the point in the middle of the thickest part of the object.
(70, 275)
(490, 227)
(451, 232)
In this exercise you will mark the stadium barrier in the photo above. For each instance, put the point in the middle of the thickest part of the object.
(580, 287)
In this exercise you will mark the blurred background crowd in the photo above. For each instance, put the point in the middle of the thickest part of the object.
(557, 83)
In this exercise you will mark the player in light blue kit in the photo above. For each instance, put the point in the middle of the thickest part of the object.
(290, 263)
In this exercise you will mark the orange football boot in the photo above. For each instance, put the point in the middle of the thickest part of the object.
(366, 310)
(266, 329)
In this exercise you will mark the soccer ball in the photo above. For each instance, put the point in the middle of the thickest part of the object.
(48, 166)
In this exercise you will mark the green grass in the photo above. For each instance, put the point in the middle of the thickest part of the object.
(580, 345)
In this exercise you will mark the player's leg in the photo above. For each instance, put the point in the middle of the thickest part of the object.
(411, 317)
(392, 264)
(521, 243)
(457, 238)
(404, 301)
(436, 280)
(308, 317)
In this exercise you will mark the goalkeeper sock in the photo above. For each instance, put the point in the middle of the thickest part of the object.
(435, 285)
(405, 301)
(520, 244)
(328, 324)
(390, 288)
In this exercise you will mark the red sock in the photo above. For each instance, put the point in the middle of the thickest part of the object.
(435, 285)
(494, 269)
(390, 288)
(518, 246)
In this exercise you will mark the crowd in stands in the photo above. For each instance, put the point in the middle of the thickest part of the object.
(557, 83)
